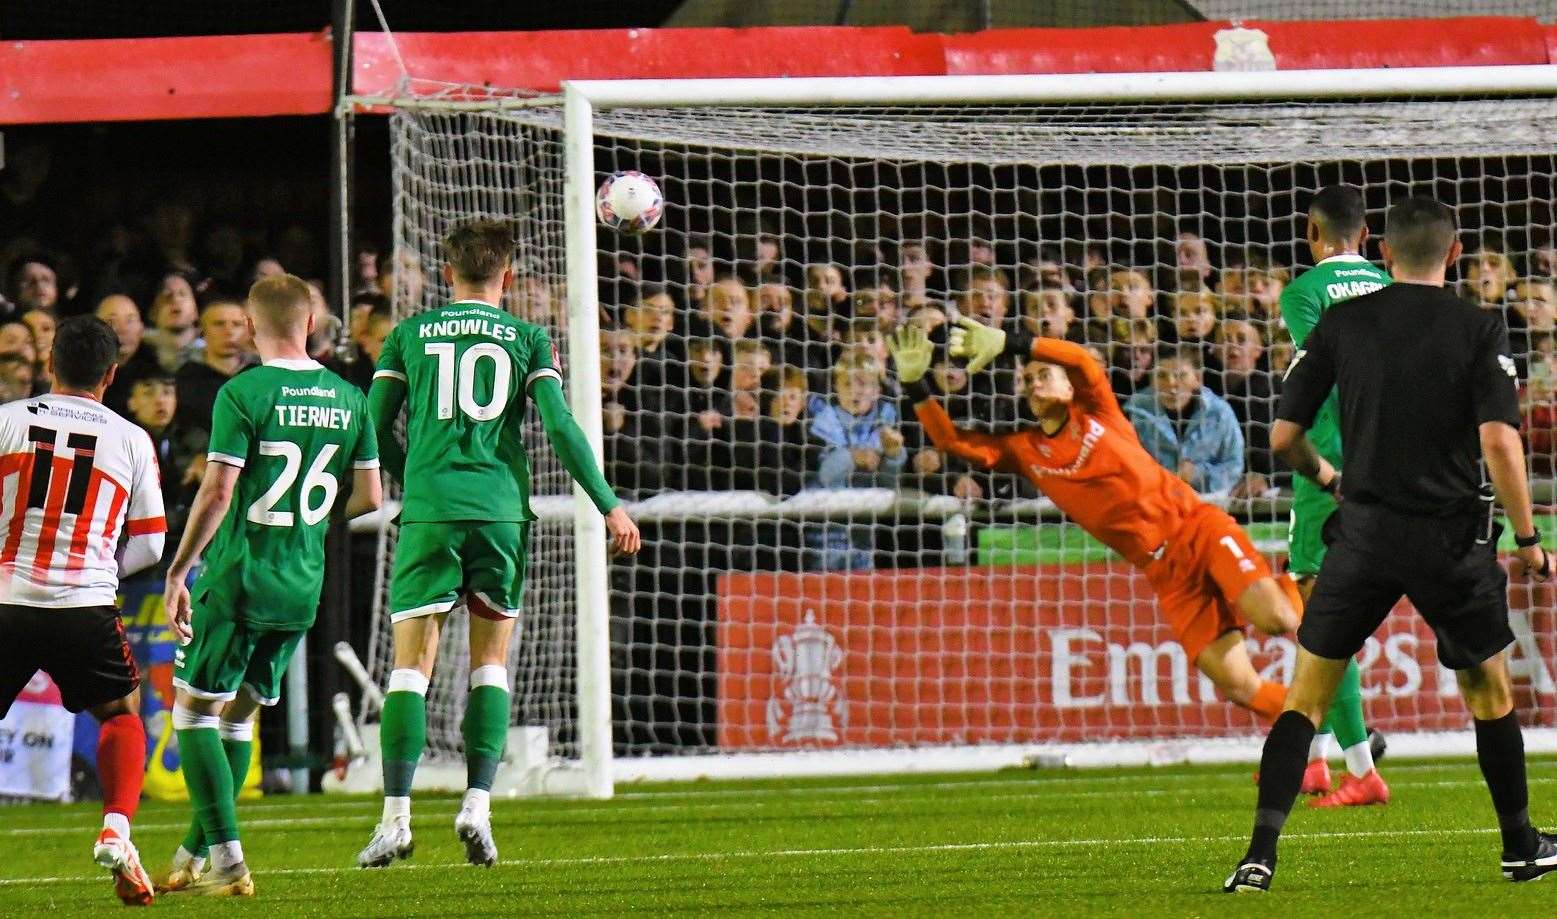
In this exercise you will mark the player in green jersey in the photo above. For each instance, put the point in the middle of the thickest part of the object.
(465, 374)
(285, 438)
(1337, 230)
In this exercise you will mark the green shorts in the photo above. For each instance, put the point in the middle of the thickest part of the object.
(1305, 545)
(228, 652)
(438, 563)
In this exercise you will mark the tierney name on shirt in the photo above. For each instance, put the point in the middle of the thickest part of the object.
(313, 416)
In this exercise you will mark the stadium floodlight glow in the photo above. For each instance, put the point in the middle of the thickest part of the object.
(1047, 651)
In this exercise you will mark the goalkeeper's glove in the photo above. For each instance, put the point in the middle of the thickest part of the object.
(976, 342)
(911, 352)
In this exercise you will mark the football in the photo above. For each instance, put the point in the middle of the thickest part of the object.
(629, 202)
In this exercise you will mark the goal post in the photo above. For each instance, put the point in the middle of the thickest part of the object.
(725, 651)
(589, 536)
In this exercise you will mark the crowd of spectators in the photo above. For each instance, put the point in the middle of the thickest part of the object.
(772, 376)
(759, 370)
(171, 285)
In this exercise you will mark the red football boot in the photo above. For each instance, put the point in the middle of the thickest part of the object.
(118, 855)
(1355, 792)
(1316, 778)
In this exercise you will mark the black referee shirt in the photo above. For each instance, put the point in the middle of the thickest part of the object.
(1419, 370)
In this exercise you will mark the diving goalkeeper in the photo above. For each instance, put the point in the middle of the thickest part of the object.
(1084, 455)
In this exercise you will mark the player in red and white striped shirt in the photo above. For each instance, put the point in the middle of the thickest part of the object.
(80, 507)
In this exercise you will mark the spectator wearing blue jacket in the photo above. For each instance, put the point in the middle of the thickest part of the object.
(857, 429)
(861, 447)
(1186, 427)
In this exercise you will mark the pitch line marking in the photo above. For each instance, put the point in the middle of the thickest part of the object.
(607, 812)
(1236, 773)
(585, 861)
(604, 815)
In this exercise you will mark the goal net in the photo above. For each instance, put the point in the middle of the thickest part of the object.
(820, 588)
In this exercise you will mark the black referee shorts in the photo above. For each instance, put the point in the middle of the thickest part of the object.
(1376, 555)
(83, 649)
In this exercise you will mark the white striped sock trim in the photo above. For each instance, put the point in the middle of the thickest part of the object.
(490, 675)
(226, 459)
(1359, 758)
(543, 372)
(408, 681)
(186, 720)
(389, 374)
(236, 730)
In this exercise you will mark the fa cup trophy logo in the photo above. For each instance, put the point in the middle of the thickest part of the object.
(806, 710)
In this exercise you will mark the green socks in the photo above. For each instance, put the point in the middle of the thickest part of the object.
(1345, 715)
(1344, 720)
(485, 727)
(207, 775)
(403, 730)
(238, 744)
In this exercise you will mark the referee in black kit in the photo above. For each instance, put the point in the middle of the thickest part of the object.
(1426, 391)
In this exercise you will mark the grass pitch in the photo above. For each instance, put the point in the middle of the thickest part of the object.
(1106, 843)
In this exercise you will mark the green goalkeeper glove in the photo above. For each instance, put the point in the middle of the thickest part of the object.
(911, 351)
(976, 342)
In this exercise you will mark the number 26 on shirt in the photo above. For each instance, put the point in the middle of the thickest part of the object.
(319, 479)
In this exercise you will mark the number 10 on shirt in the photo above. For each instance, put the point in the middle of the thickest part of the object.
(464, 379)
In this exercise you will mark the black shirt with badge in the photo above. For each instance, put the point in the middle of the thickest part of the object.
(1418, 371)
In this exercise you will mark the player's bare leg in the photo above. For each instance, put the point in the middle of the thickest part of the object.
(1267, 607)
(1314, 679)
(1316, 778)
(403, 734)
(1500, 751)
(121, 758)
(1282, 763)
(485, 727)
(1226, 663)
(208, 774)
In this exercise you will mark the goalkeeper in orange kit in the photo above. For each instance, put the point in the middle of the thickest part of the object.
(1210, 581)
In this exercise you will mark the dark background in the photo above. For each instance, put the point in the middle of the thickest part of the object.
(37, 19)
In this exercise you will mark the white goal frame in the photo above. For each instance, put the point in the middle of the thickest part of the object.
(595, 773)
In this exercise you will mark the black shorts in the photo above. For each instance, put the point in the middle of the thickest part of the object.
(1376, 555)
(82, 648)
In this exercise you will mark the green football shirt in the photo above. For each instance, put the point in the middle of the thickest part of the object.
(467, 368)
(297, 431)
(1331, 281)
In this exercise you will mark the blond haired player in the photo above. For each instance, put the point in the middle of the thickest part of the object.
(288, 438)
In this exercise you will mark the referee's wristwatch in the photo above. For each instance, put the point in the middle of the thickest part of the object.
(1527, 542)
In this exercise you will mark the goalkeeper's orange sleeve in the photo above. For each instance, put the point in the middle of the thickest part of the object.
(983, 450)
